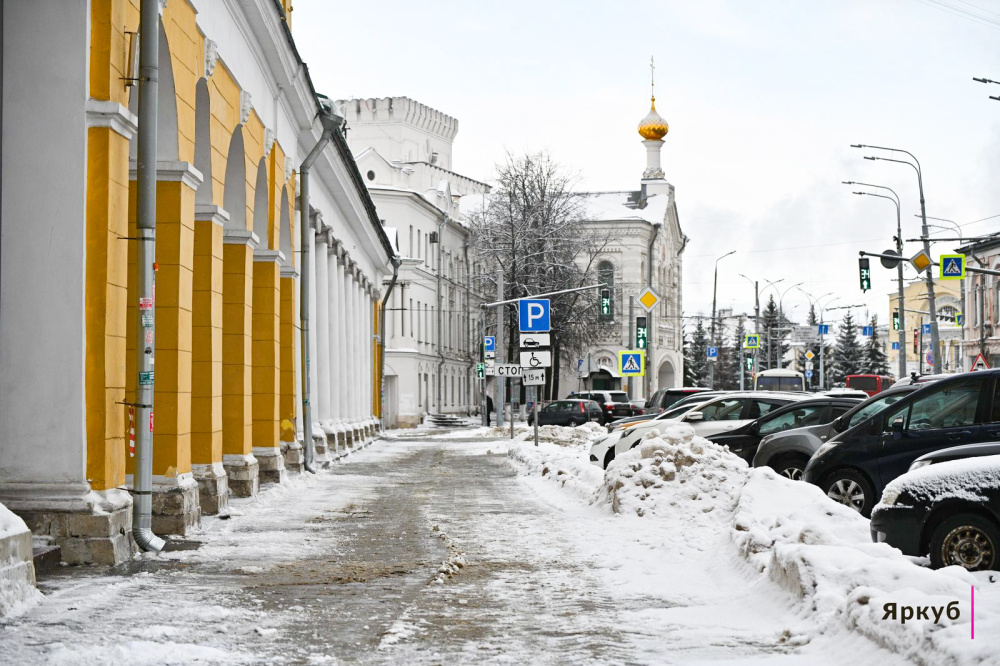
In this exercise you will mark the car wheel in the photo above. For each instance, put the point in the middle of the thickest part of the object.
(789, 466)
(967, 540)
(572, 423)
(609, 456)
(852, 489)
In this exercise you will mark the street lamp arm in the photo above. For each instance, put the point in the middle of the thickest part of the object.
(894, 150)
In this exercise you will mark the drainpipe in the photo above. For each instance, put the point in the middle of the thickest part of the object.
(651, 330)
(440, 304)
(142, 476)
(381, 333)
(330, 121)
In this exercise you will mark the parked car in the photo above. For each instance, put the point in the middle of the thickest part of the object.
(724, 413)
(743, 441)
(665, 398)
(949, 511)
(613, 404)
(788, 452)
(567, 413)
(638, 407)
(856, 465)
(956, 453)
(848, 393)
(692, 399)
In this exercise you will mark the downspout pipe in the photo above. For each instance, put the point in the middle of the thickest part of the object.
(396, 261)
(440, 306)
(331, 122)
(142, 479)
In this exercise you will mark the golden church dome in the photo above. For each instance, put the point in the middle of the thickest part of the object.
(653, 127)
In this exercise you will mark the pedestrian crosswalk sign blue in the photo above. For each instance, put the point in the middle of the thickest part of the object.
(631, 364)
(952, 266)
(751, 342)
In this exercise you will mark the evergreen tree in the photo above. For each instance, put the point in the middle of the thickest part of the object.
(875, 361)
(696, 358)
(848, 356)
(739, 360)
(725, 364)
(813, 321)
(772, 345)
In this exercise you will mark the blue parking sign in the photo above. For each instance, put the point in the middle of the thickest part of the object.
(533, 315)
(713, 352)
(490, 343)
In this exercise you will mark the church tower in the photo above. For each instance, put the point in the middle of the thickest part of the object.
(652, 129)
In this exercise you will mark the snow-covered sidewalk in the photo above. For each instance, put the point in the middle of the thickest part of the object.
(690, 500)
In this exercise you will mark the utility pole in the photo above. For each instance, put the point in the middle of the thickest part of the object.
(499, 382)
(631, 337)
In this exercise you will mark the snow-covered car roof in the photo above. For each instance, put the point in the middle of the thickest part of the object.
(965, 479)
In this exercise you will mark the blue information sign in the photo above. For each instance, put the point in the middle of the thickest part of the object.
(867, 331)
(490, 343)
(823, 329)
(895, 345)
(713, 352)
(809, 374)
(927, 329)
(533, 315)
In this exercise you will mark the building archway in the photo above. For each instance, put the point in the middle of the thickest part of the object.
(260, 206)
(666, 376)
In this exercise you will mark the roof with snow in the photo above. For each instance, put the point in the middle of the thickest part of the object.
(623, 206)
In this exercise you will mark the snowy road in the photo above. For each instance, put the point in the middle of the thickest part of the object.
(346, 567)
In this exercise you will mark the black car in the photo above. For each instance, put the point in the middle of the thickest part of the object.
(950, 511)
(855, 466)
(957, 453)
(614, 404)
(743, 441)
(567, 413)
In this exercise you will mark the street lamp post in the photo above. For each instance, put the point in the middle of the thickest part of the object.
(899, 268)
(756, 325)
(935, 336)
(715, 286)
(781, 319)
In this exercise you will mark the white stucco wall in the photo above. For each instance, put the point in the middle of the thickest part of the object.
(42, 240)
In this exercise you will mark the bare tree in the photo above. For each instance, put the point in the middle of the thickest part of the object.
(533, 230)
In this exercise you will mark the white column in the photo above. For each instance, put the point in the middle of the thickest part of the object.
(358, 350)
(312, 360)
(322, 328)
(336, 314)
(369, 344)
(345, 343)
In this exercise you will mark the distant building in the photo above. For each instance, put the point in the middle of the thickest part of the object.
(404, 152)
(948, 298)
(981, 330)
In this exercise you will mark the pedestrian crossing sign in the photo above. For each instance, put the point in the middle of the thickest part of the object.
(631, 364)
(751, 342)
(952, 266)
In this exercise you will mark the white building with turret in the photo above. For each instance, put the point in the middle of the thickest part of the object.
(404, 152)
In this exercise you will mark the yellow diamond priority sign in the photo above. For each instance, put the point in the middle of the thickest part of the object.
(648, 299)
(921, 261)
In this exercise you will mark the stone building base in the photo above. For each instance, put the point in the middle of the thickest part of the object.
(292, 452)
(322, 457)
(87, 526)
(271, 464)
(176, 505)
(243, 472)
(213, 488)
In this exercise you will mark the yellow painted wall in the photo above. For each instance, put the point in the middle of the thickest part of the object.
(266, 352)
(237, 285)
(206, 344)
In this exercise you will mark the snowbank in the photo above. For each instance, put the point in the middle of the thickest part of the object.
(561, 455)
(17, 571)
(786, 531)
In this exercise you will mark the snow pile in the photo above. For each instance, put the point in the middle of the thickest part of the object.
(564, 462)
(17, 572)
(822, 552)
(674, 473)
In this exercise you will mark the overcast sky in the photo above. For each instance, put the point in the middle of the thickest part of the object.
(763, 99)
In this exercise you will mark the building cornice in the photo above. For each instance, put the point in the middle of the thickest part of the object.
(105, 113)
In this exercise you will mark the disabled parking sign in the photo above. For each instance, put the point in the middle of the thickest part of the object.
(631, 364)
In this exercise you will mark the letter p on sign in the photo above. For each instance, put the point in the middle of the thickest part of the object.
(533, 315)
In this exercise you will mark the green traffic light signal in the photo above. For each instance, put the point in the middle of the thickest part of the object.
(641, 332)
(749, 362)
(605, 304)
(866, 274)
(480, 370)
(895, 320)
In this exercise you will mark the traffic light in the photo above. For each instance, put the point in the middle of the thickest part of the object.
(641, 332)
(480, 370)
(606, 304)
(749, 361)
(916, 341)
(895, 320)
(866, 274)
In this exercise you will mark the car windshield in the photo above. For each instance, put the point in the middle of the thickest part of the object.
(874, 407)
(618, 396)
(794, 418)
(676, 412)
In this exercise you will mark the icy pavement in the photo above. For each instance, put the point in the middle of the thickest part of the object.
(426, 552)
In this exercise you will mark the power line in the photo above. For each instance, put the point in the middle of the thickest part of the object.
(962, 13)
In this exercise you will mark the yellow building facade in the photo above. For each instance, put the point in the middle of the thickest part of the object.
(233, 113)
(948, 299)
